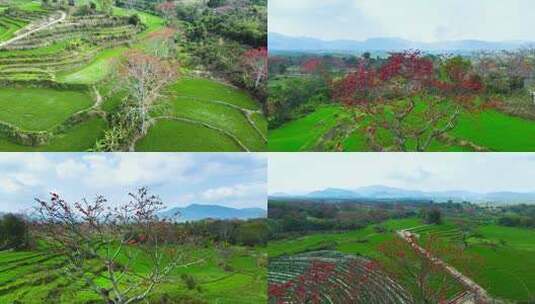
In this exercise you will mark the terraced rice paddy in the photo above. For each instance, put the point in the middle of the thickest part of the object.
(12, 21)
(37, 277)
(487, 129)
(208, 116)
(24, 107)
(508, 270)
(337, 278)
(70, 44)
(75, 55)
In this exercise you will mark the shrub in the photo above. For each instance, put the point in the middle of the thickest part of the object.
(134, 20)
(13, 232)
(189, 281)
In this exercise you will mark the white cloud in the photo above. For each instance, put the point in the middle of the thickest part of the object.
(9, 185)
(124, 169)
(235, 192)
(422, 20)
(484, 172)
(179, 178)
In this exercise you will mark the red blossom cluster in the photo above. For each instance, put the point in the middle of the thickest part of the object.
(255, 62)
(404, 74)
(318, 279)
(311, 66)
(409, 65)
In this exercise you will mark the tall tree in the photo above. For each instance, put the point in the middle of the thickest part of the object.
(403, 105)
(114, 237)
(255, 65)
(143, 77)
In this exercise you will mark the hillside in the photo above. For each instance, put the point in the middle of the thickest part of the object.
(62, 86)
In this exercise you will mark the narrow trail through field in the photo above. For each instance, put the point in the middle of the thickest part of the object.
(479, 292)
(62, 17)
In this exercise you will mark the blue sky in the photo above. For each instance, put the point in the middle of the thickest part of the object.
(229, 179)
(298, 173)
(418, 20)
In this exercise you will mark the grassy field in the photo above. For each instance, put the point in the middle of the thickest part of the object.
(208, 102)
(171, 135)
(36, 277)
(508, 270)
(490, 129)
(302, 134)
(80, 137)
(38, 109)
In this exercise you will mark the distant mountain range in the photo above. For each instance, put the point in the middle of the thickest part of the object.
(379, 192)
(197, 212)
(279, 42)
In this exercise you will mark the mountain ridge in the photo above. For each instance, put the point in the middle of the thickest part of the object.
(196, 212)
(280, 42)
(386, 192)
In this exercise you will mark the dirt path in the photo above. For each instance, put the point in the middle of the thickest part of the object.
(479, 293)
(42, 27)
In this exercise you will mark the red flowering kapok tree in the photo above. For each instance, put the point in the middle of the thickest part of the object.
(404, 104)
(255, 65)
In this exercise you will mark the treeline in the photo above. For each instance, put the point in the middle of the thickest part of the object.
(236, 232)
(303, 217)
(221, 38)
(14, 232)
(501, 74)
(227, 37)
(518, 216)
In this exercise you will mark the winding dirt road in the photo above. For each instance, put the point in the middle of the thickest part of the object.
(479, 293)
(42, 27)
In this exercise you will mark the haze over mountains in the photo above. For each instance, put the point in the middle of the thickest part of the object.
(195, 212)
(377, 192)
(280, 42)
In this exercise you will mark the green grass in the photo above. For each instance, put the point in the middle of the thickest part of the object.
(188, 99)
(497, 131)
(37, 278)
(37, 109)
(508, 270)
(490, 129)
(101, 65)
(303, 133)
(80, 137)
(212, 90)
(95, 71)
(360, 242)
(177, 136)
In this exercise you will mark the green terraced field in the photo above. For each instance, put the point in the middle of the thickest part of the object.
(171, 135)
(302, 134)
(36, 277)
(490, 129)
(37, 109)
(221, 108)
(359, 242)
(219, 117)
(497, 131)
(80, 137)
(508, 270)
